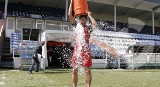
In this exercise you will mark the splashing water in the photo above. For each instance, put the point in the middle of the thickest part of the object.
(81, 42)
(79, 31)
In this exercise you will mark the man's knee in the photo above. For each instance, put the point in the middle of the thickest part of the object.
(87, 70)
(75, 71)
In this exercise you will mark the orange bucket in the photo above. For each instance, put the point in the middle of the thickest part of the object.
(80, 7)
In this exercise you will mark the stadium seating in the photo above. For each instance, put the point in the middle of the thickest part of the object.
(124, 27)
(23, 10)
(1, 10)
(105, 25)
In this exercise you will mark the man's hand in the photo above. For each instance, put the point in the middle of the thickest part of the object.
(94, 23)
(89, 13)
(71, 2)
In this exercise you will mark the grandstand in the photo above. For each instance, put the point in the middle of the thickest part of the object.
(132, 27)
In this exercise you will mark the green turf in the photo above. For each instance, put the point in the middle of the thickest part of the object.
(62, 78)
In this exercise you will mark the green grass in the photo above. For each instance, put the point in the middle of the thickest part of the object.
(62, 78)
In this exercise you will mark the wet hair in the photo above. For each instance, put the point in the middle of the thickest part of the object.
(82, 16)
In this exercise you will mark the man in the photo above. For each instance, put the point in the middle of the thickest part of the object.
(35, 59)
(49, 55)
(1, 14)
(85, 54)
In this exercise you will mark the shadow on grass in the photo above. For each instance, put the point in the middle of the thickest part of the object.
(6, 69)
(57, 71)
(143, 70)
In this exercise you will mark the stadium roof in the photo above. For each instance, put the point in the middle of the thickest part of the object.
(137, 4)
(140, 8)
(155, 1)
(132, 8)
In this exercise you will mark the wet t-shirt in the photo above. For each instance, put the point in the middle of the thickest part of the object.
(81, 54)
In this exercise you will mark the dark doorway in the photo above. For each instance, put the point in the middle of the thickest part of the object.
(59, 55)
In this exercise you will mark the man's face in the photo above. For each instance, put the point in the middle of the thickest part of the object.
(42, 43)
(83, 20)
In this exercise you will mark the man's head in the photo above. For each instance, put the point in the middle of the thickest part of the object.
(83, 19)
(42, 43)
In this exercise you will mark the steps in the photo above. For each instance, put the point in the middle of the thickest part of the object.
(6, 57)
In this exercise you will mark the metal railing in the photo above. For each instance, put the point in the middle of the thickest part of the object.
(1, 37)
(148, 58)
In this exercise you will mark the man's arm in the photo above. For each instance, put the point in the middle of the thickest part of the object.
(36, 52)
(71, 18)
(105, 46)
(39, 48)
(93, 21)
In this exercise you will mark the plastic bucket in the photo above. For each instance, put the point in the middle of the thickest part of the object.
(80, 7)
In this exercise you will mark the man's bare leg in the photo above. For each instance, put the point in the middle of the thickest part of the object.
(75, 77)
(88, 76)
